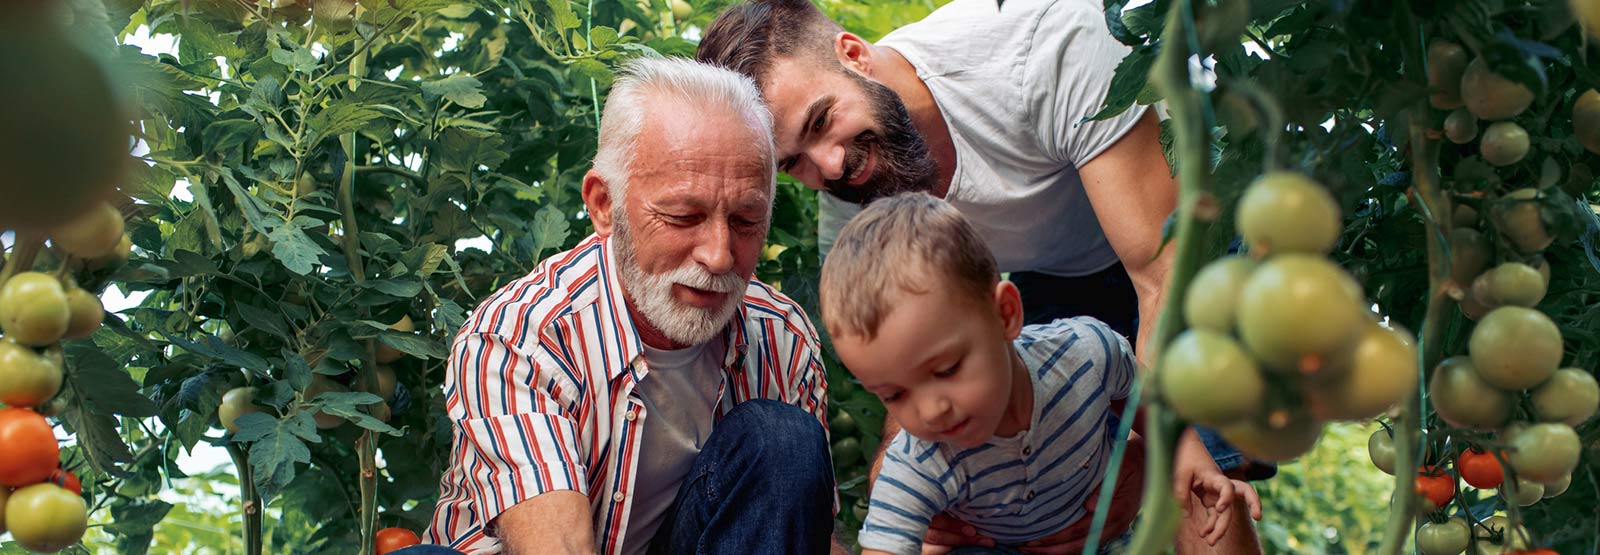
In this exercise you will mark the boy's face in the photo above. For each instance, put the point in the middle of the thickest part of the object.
(943, 363)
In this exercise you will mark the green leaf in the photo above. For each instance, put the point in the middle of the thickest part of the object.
(550, 230)
(186, 264)
(137, 516)
(414, 345)
(261, 217)
(104, 386)
(561, 14)
(1127, 82)
(430, 262)
(461, 88)
(296, 371)
(264, 320)
(602, 36)
(227, 135)
(97, 436)
(347, 405)
(463, 151)
(301, 60)
(296, 250)
(277, 445)
(593, 69)
(339, 119)
(457, 11)
(402, 288)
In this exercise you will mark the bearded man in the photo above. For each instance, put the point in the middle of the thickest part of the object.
(641, 393)
(990, 105)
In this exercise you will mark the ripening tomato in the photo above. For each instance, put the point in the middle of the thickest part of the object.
(46, 518)
(1436, 486)
(67, 480)
(1480, 469)
(392, 539)
(30, 448)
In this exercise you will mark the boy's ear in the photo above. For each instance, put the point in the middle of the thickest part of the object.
(1008, 301)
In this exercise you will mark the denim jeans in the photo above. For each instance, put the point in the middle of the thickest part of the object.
(763, 483)
(1108, 296)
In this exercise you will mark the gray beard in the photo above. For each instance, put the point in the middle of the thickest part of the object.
(652, 293)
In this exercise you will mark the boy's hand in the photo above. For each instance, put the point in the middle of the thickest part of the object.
(1217, 494)
(945, 533)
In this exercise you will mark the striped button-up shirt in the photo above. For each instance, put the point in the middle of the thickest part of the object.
(541, 392)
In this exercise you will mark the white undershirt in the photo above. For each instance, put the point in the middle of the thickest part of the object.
(680, 402)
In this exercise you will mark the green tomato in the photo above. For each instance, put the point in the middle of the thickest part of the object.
(86, 313)
(1462, 398)
(1571, 396)
(1510, 284)
(1379, 371)
(91, 235)
(1545, 452)
(843, 425)
(34, 309)
(1558, 487)
(1522, 492)
(1286, 212)
(1446, 62)
(319, 385)
(1209, 379)
(1279, 437)
(1518, 216)
(1380, 447)
(1461, 127)
(1515, 348)
(1469, 255)
(846, 452)
(27, 378)
(1297, 310)
(46, 518)
(1213, 296)
(1490, 96)
(1504, 143)
(236, 402)
(1443, 538)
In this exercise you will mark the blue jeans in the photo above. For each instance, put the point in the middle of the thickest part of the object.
(763, 483)
(1108, 296)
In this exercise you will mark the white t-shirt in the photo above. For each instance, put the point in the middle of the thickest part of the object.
(680, 406)
(1013, 84)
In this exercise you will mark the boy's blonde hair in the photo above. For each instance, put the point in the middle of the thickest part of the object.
(912, 242)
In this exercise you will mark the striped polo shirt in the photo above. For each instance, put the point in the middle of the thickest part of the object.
(541, 393)
(1021, 488)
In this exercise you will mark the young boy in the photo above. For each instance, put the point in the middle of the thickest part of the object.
(1006, 427)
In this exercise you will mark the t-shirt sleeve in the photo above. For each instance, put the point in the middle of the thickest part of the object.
(915, 484)
(1069, 73)
(500, 397)
(1115, 356)
(832, 214)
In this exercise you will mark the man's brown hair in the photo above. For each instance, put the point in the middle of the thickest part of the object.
(748, 36)
(907, 243)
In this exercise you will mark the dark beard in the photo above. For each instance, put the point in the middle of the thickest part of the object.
(904, 164)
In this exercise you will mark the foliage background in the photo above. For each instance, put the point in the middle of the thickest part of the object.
(464, 127)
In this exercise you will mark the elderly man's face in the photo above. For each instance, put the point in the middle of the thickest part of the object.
(690, 227)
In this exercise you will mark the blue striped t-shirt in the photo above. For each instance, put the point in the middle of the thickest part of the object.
(1021, 488)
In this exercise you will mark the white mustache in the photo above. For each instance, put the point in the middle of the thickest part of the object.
(693, 275)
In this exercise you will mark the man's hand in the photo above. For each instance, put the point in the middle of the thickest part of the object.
(1196, 475)
(556, 522)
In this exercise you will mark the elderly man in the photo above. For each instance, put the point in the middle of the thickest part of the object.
(641, 393)
(987, 105)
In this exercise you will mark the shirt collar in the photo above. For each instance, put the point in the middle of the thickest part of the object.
(612, 299)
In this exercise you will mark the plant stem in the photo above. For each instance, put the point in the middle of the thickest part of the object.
(250, 498)
(22, 254)
(1159, 522)
(1436, 214)
(367, 380)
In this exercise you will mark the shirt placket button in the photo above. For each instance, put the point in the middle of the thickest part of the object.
(618, 497)
(1027, 450)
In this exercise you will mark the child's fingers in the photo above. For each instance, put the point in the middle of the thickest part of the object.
(936, 549)
(1252, 499)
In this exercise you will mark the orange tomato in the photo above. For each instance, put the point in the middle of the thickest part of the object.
(30, 448)
(392, 539)
(1480, 469)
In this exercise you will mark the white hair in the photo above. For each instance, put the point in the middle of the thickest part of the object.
(673, 83)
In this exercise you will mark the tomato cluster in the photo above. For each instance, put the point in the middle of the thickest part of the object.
(41, 504)
(1281, 340)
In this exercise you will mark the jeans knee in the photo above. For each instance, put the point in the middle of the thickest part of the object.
(771, 432)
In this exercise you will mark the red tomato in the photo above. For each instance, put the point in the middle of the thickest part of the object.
(30, 447)
(1436, 486)
(392, 539)
(67, 480)
(1480, 469)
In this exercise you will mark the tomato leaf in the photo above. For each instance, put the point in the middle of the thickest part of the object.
(104, 386)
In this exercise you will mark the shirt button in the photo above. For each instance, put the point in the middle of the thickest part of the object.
(1030, 495)
(1027, 450)
(630, 415)
(618, 496)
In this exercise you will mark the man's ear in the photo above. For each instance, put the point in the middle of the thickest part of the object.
(1008, 303)
(597, 200)
(854, 52)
